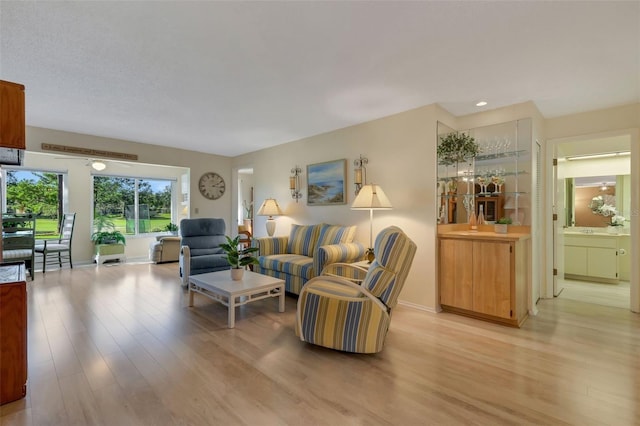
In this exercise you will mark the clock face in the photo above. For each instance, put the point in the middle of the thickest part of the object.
(211, 185)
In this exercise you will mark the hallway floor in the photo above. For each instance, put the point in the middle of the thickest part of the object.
(615, 295)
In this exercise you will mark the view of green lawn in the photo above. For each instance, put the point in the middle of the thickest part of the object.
(156, 224)
(48, 228)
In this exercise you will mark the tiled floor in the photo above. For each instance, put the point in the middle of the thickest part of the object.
(615, 295)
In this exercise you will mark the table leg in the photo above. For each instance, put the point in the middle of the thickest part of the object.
(190, 296)
(232, 312)
(281, 299)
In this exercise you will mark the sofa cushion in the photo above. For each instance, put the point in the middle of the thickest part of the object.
(336, 234)
(303, 239)
(293, 264)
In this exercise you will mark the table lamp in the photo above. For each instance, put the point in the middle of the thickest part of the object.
(270, 208)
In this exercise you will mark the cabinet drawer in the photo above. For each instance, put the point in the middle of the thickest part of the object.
(591, 241)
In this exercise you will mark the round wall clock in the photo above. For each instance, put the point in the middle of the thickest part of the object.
(211, 185)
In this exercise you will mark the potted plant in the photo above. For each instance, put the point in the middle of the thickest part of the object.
(238, 256)
(501, 225)
(108, 242)
(456, 148)
(172, 227)
(106, 232)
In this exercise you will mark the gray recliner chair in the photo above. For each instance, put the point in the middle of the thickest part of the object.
(200, 250)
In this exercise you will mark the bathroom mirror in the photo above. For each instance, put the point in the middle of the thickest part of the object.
(591, 201)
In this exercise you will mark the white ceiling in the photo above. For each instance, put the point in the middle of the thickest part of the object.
(234, 77)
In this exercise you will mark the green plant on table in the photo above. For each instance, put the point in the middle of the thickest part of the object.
(504, 221)
(171, 227)
(237, 256)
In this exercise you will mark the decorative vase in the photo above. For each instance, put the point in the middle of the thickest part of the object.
(612, 229)
(236, 274)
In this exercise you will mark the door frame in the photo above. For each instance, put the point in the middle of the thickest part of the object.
(550, 184)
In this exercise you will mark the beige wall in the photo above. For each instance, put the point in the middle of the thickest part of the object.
(80, 182)
(401, 153)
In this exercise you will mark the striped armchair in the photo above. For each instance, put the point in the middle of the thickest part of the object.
(305, 252)
(354, 314)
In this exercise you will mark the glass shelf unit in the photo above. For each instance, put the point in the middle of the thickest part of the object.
(504, 160)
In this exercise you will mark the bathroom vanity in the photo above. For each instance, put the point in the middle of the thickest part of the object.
(596, 256)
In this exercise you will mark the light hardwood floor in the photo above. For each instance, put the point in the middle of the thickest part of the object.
(117, 345)
(617, 295)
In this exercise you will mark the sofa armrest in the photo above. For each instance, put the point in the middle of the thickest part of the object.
(337, 253)
(270, 245)
(185, 265)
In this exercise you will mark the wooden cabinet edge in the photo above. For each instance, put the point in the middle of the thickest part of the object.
(513, 322)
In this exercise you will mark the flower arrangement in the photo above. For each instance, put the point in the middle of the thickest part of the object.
(616, 220)
(606, 210)
(248, 209)
(457, 147)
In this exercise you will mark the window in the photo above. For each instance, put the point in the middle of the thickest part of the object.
(37, 192)
(135, 206)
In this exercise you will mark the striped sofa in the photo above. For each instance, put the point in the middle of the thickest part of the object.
(353, 315)
(305, 252)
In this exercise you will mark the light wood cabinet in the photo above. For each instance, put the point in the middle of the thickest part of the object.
(12, 115)
(484, 275)
(13, 333)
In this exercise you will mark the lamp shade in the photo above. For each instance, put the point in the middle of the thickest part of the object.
(270, 207)
(371, 197)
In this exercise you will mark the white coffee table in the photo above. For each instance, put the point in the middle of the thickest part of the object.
(220, 287)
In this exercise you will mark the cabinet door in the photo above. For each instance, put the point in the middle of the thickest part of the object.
(12, 116)
(602, 262)
(13, 341)
(575, 260)
(456, 274)
(493, 274)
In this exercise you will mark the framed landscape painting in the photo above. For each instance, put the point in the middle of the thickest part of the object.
(326, 183)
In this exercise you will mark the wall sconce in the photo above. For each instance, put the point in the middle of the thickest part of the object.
(294, 183)
(360, 172)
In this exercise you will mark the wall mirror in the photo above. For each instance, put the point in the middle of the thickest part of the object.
(591, 201)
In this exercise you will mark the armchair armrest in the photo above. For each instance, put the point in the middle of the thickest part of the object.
(337, 253)
(185, 265)
(270, 245)
(347, 271)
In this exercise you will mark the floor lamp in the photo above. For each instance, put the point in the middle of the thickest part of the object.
(371, 197)
(270, 208)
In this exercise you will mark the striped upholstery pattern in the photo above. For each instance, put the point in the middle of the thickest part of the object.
(293, 264)
(339, 314)
(394, 254)
(292, 283)
(277, 260)
(303, 239)
(270, 245)
(334, 253)
(336, 234)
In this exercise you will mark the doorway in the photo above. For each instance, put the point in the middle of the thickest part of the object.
(592, 260)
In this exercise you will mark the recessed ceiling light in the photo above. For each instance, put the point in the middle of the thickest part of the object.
(481, 103)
